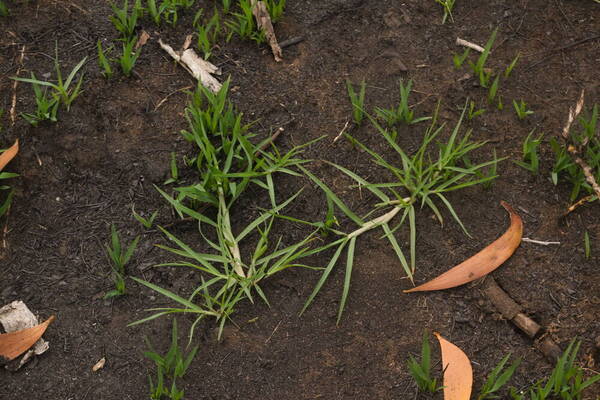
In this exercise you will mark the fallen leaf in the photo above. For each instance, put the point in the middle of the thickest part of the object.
(144, 36)
(99, 364)
(14, 344)
(458, 373)
(483, 262)
(263, 21)
(9, 154)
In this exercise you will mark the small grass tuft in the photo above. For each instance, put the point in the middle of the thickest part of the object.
(357, 100)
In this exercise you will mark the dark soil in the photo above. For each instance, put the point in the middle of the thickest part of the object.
(86, 171)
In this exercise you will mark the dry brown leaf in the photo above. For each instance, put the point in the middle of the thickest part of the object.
(483, 262)
(263, 21)
(458, 373)
(14, 344)
(9, 154)
(144, 36)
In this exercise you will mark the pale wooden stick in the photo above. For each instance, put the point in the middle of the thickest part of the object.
(476, 47)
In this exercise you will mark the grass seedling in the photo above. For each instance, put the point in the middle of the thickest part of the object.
(226, 6)
(497, 379)
(531, 160)
(226, 164)
(521, 109)
(474, 111)
(146, 222)
(62, 90)
(500, 105)
(493, 89)
(243, 24)
(586, 245)
(511, 66)
(119, 258)
(587, 141)
(479, 67)
(47, 106)
(402, 113)
(174, 170)
(421, 371)
(4, 11)
(448, 5)
(124, 20)
(171, 366)
(209, 34)
(566, 381)
(459, 60)
(357, 100)
(103, 62)
(155, 11)
(420, 179)
(129, 57)
(275, 9)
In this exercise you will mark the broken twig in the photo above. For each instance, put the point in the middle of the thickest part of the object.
(541, 242)
(291, 41)
(263, 21)
(476, 47)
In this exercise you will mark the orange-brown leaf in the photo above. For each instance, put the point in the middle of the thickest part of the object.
(9, 154)
(13, 344)
(458, 373)
(483, 262)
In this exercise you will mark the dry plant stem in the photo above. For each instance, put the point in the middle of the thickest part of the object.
(579, 203)
(374, 223)
(263, 21)
(341, 132)
(476, 47)
(232, 244)
(541, 242)
(13, 105)
(574, 151)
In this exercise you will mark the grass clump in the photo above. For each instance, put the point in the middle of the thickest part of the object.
(422, 179)
(421, 371)
(586, 140)
(242, 22)
(125, 20)
(402, 113)
(119, 258)
(521, 109)
(62, 92)
(129, 56)
(357, 100)
(170, 367)
(227, 163)
(531, 159)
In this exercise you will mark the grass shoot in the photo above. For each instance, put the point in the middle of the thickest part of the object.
(521, 109)
(357, 100)
(531, 159)
(119, 258)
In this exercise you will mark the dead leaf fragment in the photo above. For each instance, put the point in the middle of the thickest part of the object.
(9, 154)
(99, 365)
(263, 21)
(13, 344)
(483, 262)
(458, 373)
(144, 36)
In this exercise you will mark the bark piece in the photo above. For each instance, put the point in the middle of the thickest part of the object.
(263, 21)
(200, 69)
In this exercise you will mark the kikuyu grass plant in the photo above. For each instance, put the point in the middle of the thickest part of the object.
(103, 61)
(402, 113)
(242, 22)
(129, 56)
(62, 90)
(421, 180)
(566, 382)
(124, 19)
(119, 257)
(170, 367)
(421, 371)
(586, 137)
(521, 109)
(531, 159)
(357, 100)
(227, 163)
(46, 105)
(209, 34)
